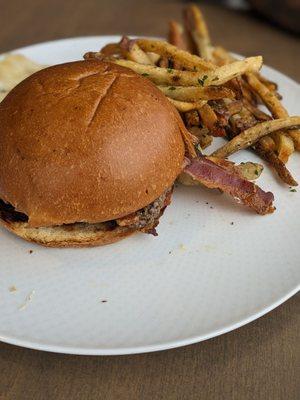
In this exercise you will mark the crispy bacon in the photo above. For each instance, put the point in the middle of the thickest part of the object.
(223, 176)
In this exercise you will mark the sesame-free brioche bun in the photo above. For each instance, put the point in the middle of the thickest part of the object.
(86, 141)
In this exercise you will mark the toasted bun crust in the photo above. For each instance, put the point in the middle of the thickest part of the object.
(86, 141)
(76, 235)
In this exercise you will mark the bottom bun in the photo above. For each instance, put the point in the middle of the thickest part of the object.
(75, 235)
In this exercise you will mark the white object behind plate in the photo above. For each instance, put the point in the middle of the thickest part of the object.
(202, 276)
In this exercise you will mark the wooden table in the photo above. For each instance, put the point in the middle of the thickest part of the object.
(257, 361)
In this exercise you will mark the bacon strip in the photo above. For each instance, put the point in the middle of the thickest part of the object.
(224, 177)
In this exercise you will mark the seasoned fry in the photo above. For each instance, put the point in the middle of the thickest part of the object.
(111, 49)
(187, 180)
(269, 84)
(235, 86)
(183, 106)
(258, 114)
(276, 163)
(267, 143)
(192, 118)
(192, 93)
(229, 71)
(133, 52)
(205, 139)
(154, 58)
(189, 139)
(250, 170)
(176, 38)
(222, 56)
(295, 135)
(166, 76)
(176, 35)
(98, 55)
(184, 58)
(277, 110)
(210, 120)
(268, 97)
(248, 137)
(241, 121)
(228, 107)
(247, 93)
(158, 75)
(284, 146)
(196, 25)
(242, 116)
(163, 62)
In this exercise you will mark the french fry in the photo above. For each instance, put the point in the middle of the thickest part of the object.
(267, 143)
(189, 61)
(192, 118)
(295, 135)
(154, 58)
(248, 116)
(205, 139)
(176, 35)
(276, 163)
(163, 62)
(192, 93)
(268, 97)
(227, 72)
(284, 146)
(183, 106)
(187, 180)
(277, 110)
(90, 55)
(189, 139)
(241, 121)
(210, 120)
(111, 49)
(247, 170)
(247, 93)
(248, 137)
(269, 84)
(250, 170)
(222, 56)
(258, 114)
(133, 52)
(176, 38)
(235, 86)
(196, 25)
(228, 107)
(265, 147)
(167, 76)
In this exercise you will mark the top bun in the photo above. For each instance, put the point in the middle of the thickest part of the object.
(86, 141)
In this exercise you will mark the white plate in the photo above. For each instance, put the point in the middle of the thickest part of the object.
(201, 277)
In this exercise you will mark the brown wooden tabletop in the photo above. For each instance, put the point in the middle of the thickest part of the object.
(258, 361)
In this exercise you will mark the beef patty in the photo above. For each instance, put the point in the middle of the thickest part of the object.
(144, 220)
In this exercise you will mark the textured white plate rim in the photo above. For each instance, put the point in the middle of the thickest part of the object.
(147, 349)
(158, 346)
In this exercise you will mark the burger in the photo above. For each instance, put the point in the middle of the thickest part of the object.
(89, 152)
